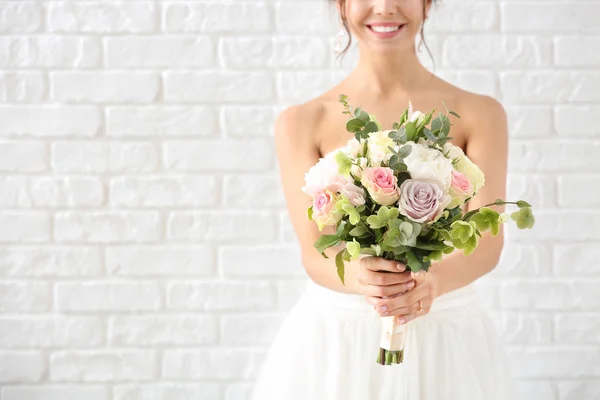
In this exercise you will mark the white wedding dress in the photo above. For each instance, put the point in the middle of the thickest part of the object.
(328, 345)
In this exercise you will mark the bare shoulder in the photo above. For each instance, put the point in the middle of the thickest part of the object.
(484, 108)
(478, 111)
(481, 115)
(295, 125)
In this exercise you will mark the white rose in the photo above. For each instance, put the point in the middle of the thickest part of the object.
(425, 163)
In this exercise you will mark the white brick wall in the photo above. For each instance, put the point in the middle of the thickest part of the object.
(141, 216)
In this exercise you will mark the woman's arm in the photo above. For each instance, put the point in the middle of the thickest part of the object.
(487, 146)
(297, 151)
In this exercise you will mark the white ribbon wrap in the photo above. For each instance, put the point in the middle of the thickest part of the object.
(393, 334)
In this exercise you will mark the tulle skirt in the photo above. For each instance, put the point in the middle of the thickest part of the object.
(327, 348)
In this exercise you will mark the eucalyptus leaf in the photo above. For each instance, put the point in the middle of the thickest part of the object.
(430, 135)
(360, 114)
(405, 151)
(355, 125)
(371, 127)
(436, 125)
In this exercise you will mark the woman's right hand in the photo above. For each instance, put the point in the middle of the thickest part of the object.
(378, 278)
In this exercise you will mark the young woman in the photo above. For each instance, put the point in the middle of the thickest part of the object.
(327, 346)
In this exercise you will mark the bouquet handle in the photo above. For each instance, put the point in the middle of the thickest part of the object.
(392, 341)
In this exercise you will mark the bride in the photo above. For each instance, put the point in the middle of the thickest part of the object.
(327, 346)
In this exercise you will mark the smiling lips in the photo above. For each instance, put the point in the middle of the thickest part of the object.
(385, 30)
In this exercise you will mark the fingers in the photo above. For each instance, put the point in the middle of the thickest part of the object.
(418, 277)
(409, 312)
(375, 294)
(406, 303)
(381, 264)
(404, 318)
(369, 277)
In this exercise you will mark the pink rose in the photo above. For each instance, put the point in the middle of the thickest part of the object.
(460, 182)
(460, 189)
(422, 201)
(382, 185)
(324, 209)
(355, 194)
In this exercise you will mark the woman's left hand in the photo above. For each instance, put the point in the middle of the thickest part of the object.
(411, 304)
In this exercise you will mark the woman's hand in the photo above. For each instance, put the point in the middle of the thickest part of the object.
(378, 279)
(409, 305)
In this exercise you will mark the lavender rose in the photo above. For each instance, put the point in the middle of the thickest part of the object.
(422, 201)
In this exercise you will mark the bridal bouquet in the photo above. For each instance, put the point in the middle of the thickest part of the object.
(397, 194)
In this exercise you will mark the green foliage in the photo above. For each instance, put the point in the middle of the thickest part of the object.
(383, 216)
(398, 135)
(326, 241)
(379, 127)
(411, 131)
(524, 218)
(486, 219)
(353, 249)
(344, 163)
(360, 230)
(464, 236)
(339, 263)
(401, 233)
(523, 204)
(355, 125)
(362, 115)
(403, 117)
(344, 206)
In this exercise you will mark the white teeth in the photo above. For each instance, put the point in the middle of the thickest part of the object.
(385, 28)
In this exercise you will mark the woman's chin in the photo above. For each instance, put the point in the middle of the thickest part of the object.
(389, 48)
